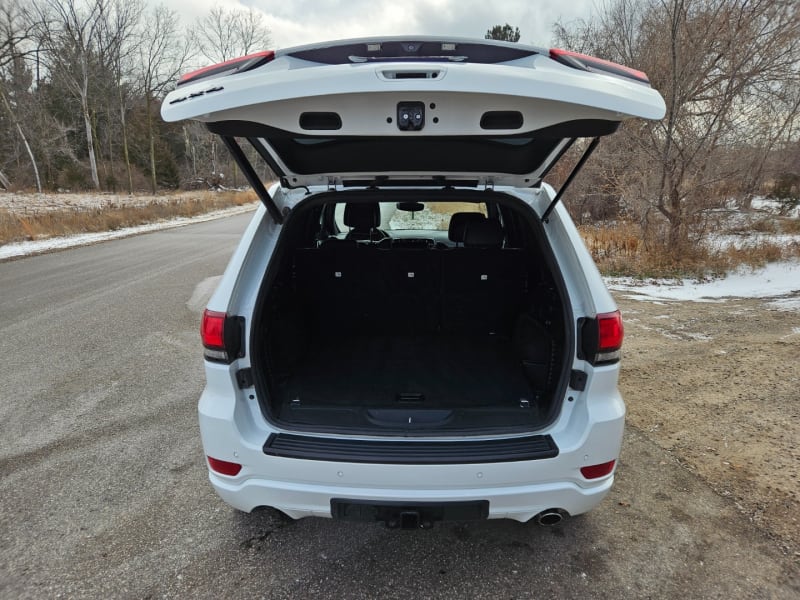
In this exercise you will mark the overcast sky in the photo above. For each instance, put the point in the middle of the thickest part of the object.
(294, 22)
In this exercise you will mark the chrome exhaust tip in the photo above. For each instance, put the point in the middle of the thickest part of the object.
(549, 517)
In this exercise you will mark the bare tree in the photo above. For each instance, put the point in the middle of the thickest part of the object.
(728, 70)
(68, 32)
(14, 34)
(162, 56)
(225, 34)
(120, 44)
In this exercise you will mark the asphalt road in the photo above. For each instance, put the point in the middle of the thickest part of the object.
(103, 489)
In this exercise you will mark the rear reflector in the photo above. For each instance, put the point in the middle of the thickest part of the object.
(591, 63)
(237, 65)
(597, 471)
(223, 467)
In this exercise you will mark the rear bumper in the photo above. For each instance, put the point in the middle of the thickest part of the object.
(520, 503)
(588, 432)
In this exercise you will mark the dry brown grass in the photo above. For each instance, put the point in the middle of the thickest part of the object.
(789, 225)
(619, 250)
(15, 227)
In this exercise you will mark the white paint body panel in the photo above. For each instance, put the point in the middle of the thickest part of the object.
(588, 430)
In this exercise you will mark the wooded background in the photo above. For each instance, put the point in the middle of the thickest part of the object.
(81, 83)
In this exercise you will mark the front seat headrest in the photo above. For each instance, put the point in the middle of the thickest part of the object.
(484, 234)
(362, 217)
(458, 225)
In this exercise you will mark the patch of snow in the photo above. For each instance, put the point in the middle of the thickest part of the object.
(790, 304)
(700, 337)
(776, 279)
(762, 203)
(795, 331)
(60, 243)
(751, 240)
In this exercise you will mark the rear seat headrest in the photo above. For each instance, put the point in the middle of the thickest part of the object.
(362, 217)
(458, 225)
(484, 234)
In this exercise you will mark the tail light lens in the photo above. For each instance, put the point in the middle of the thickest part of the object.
(223, 467)
(601, 338)
(221, 335)
(597, 471)
(236, 65)
(592, 63)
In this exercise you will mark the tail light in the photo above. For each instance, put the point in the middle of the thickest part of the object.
(223, 467)
(222, 336)
(601, 338)
(591, 63)
(597, 471)
(236, 65)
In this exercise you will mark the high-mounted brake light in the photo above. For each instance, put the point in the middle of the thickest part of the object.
(597, 471)
(224, 467)
(591, 63)
(601, 338)
(235, 65)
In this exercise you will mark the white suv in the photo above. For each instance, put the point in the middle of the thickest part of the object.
(411, 329)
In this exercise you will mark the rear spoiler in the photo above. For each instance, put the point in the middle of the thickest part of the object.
(428, 50)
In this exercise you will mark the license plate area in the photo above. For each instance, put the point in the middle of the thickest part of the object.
(408, 515)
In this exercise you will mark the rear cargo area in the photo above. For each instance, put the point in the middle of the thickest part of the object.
(411, 338)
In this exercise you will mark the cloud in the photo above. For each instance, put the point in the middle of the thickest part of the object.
(306, 21)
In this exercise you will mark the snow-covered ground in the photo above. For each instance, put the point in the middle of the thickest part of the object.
(751, 240)
(59, 243)
(774, 207)
(776, 280)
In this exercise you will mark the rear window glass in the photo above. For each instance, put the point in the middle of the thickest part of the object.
(434, 216)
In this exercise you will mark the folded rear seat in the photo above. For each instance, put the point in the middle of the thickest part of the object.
(483, 283)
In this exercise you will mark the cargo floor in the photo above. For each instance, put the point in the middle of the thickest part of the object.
(452, 381)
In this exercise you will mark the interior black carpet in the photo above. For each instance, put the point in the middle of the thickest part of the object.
(427, 371)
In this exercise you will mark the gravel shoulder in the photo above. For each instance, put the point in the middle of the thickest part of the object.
(715, 384)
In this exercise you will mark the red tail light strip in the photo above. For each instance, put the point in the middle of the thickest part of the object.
(241, 64)
(591, 63)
